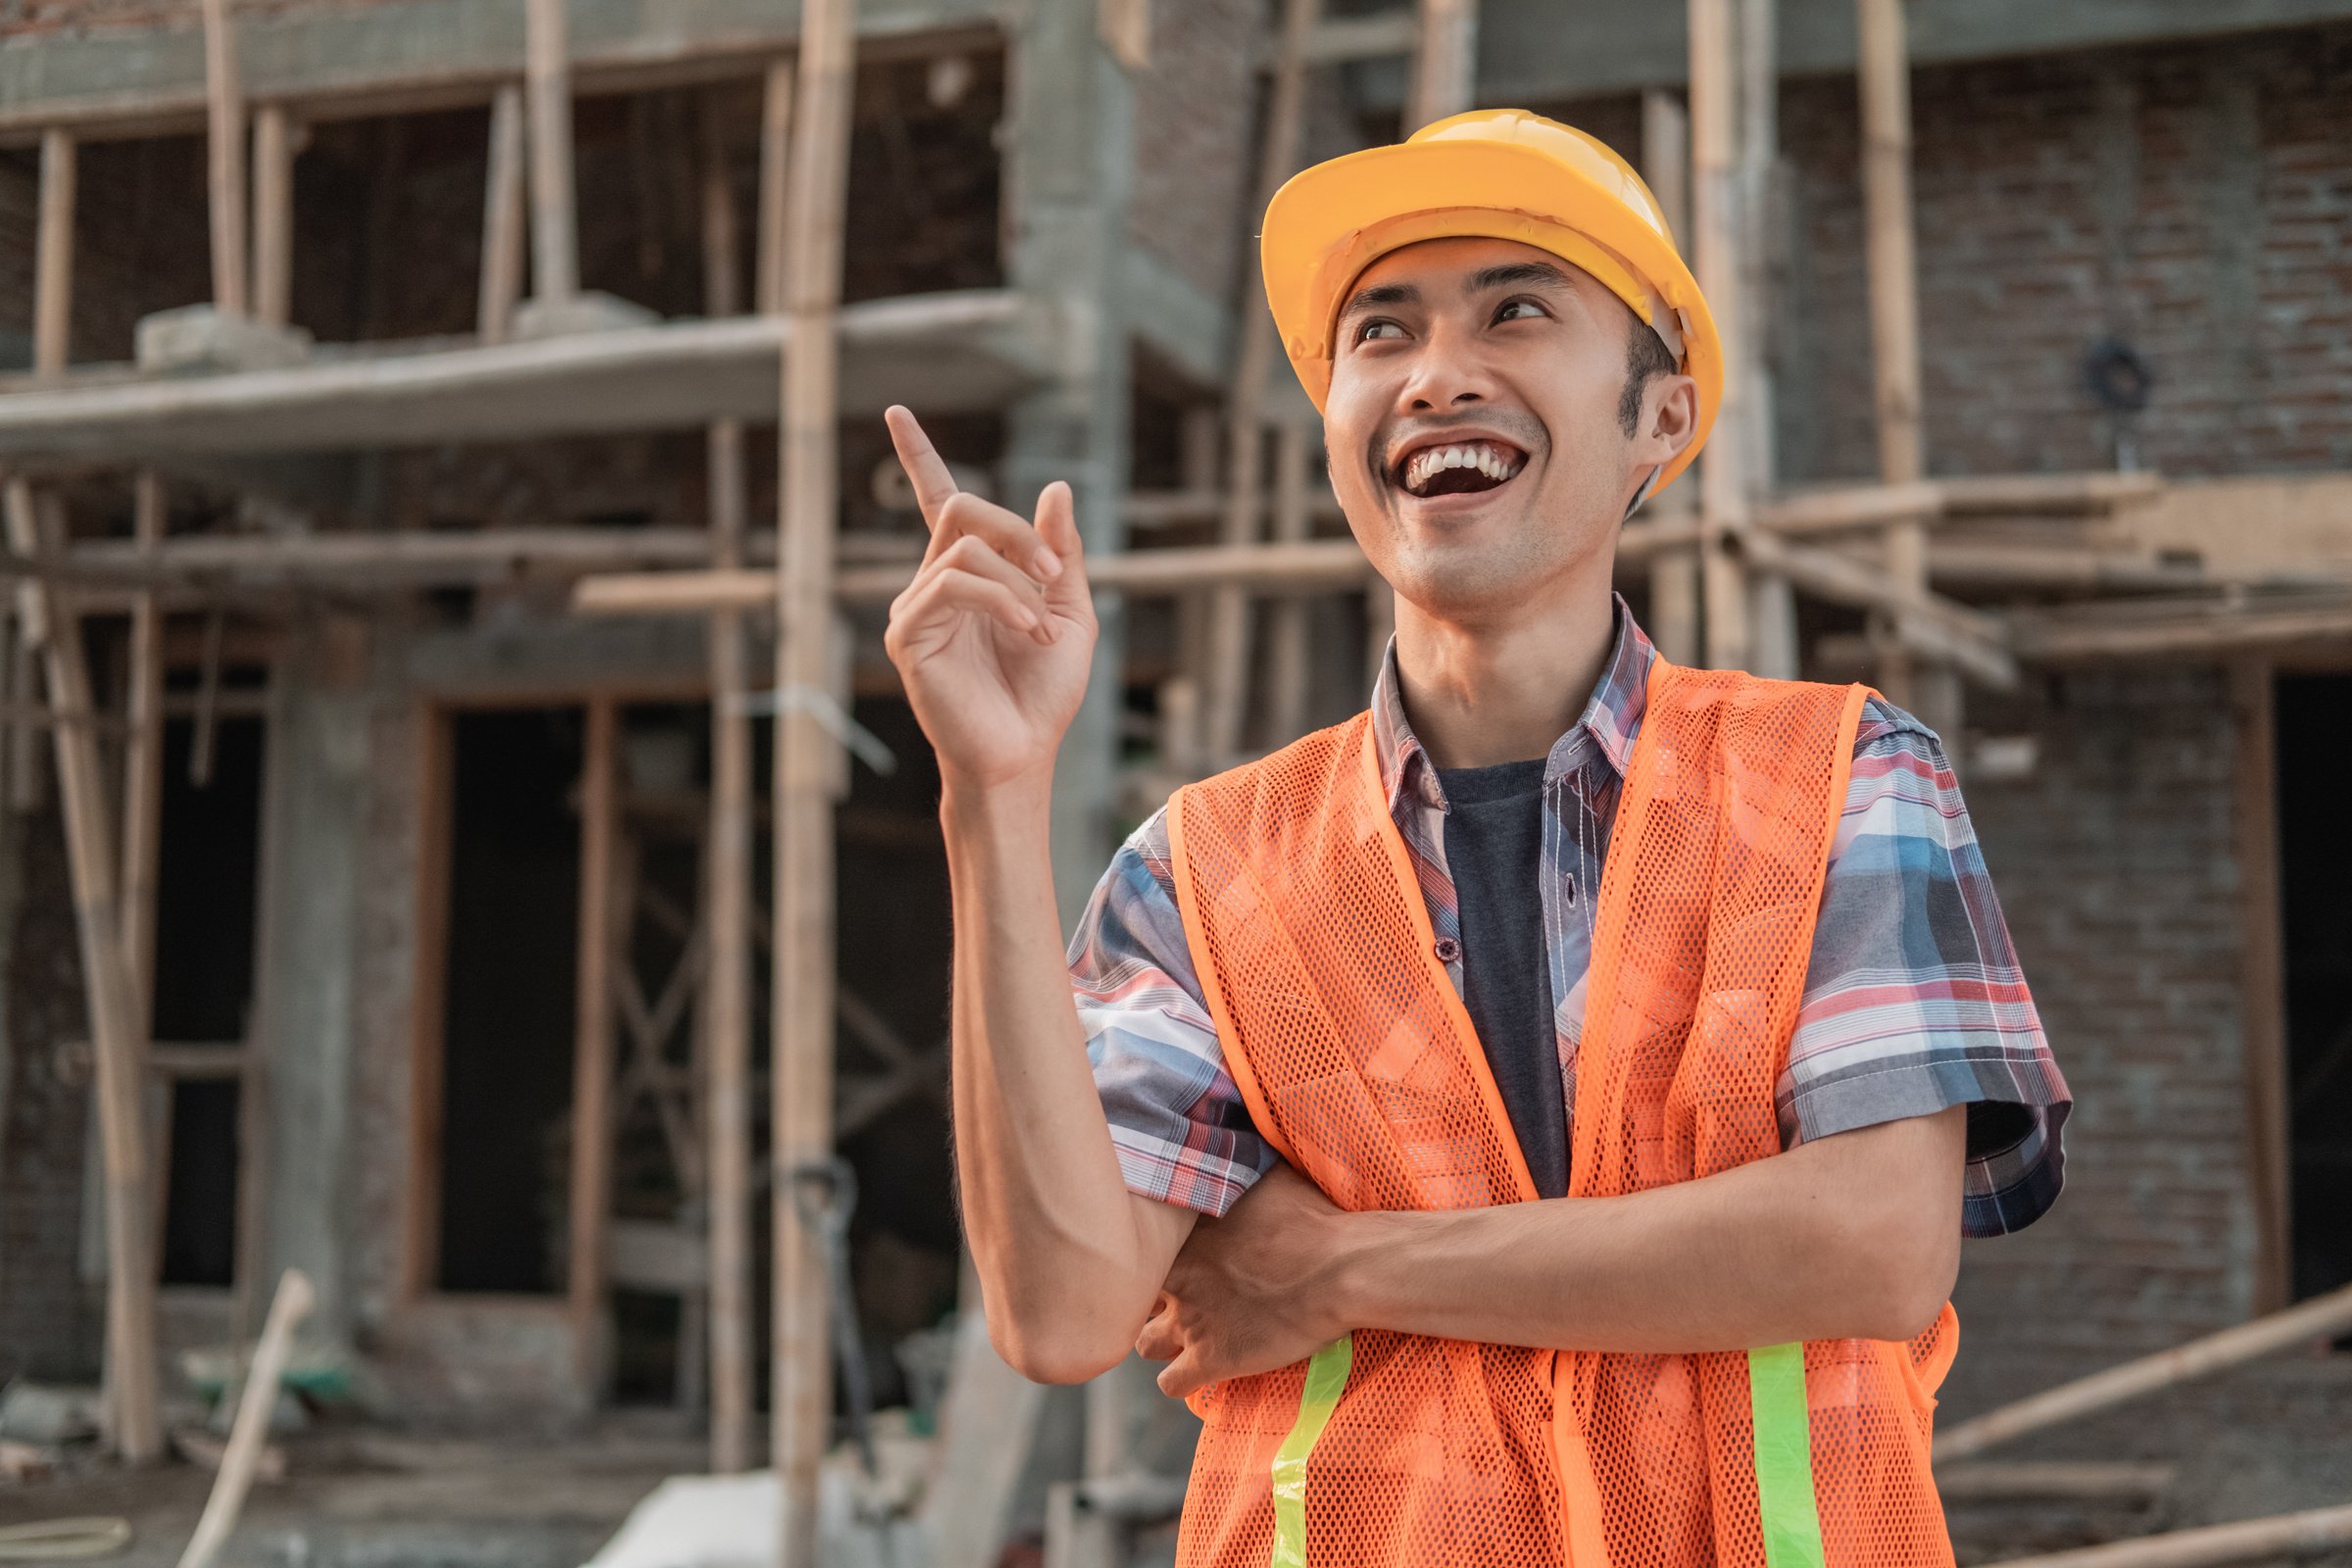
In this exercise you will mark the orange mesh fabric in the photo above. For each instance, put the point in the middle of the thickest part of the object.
(1360, 1063)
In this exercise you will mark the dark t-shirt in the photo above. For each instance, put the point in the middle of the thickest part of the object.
(1494, 854)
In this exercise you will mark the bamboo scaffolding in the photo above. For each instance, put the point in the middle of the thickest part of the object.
(592, 1041)
(547, 77)
(1444, 61)
(275, 142)
(1288, 671)
(1225, 687)
(2318, 1318)
(53, 265)
(1715, 202)
(805, 767)
(224, 136)
(35, 525)
(504, 219)
(1674, 576)
(727, 885)
(143, 765)
(2292, 1535)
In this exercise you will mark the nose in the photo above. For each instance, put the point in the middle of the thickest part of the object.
(1448, 372)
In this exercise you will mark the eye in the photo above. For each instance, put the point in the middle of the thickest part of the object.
(1378, 327)
(1520, 310)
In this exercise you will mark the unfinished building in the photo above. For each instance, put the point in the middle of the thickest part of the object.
(389, 502)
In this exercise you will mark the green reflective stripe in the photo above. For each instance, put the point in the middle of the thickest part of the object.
(1776, 1396)
(1326, 1378)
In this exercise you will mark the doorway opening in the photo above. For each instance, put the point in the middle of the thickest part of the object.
(2315, 869)
(506, 1018)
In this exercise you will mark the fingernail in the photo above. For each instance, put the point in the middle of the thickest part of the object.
(1049, 564)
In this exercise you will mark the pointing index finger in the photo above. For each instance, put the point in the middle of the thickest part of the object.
(925, 469)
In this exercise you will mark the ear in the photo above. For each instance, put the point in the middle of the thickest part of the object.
(1669, 419)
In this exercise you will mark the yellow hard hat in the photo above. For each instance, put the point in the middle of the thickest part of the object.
(1498, 174)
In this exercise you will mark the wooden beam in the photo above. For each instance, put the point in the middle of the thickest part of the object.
(2004, 493)
(1936, 628)
(1445, 63)
(1715, 200)
(547, 76)
(1225, 696)
(277, 140)
(802, 972)
(2308, 1534)
(2058, 1479)
(2262, 971)
(592, 1041)
(727, 883)
(1837, 509)
(2320, 1318)
(53, 265)
(35, 525)
(504, 224)
(1342, 40)
(224, 136)
(2195, 628)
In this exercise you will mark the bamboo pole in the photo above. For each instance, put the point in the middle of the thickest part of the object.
(1674, 603)
(1225, 695)
(1724, 495)
(1288, 669)
(504, 222)
(775, 146)
(224, 134)
(143, 763)
(275, 141)
(249, 1434)
(2290, 1534)
(802, 1075)
(727, 887)
(1444, 61)
(547, 77)
(592, 1039)
(35, 524)
(2319, 1318)
(53, 266)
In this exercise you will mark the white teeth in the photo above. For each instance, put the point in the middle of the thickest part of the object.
(1485, 457)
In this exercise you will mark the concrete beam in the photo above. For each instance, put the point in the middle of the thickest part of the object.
(1540, 51)
(948, 353)
(137, 81)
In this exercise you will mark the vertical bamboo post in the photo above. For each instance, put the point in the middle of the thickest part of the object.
(547, 76)
(1444, 61)
(808, 451)
(1883, 77)
(728, 885)
(224, 133)
(1673, 573)
(1772, 601)
(775, 146)
(1724, 498)
(53, 265)
(1287, 666)
(34, 525)
(1225, 701)
(275, 141)
(504, 239)
(143, 762)
(592, 1039)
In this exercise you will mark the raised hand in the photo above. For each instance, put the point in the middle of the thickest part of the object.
(995, 635)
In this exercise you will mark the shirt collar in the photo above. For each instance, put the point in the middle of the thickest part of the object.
(1611, 718)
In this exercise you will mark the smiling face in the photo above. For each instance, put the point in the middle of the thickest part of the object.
(1474, 425)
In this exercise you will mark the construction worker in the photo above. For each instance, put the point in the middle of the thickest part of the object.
(1534, 1120)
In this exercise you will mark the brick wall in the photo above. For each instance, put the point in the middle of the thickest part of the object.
(1196, 138)
(2115, 866)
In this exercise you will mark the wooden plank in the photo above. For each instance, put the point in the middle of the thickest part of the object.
(1225, 690)
(53, 264)
(2201, 628)
(592, 1039)
(806, 766)
(275, 142)
(1715, 203)
(2261, 972)
(2320, 1318)
(34, 524)
(727, 885)
(503, 224)
(225, 164)
(1940, 628)
(547, 77)
(1444, 61)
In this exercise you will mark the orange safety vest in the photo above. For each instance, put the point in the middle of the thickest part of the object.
(1357, 1061)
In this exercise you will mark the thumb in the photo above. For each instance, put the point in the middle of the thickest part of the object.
(1180, 1376)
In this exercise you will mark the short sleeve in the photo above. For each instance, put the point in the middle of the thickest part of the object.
(1182, 1132)
(1914, 1002)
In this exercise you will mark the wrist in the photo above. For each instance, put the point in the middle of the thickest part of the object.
(1350, 1269)
(972, 810)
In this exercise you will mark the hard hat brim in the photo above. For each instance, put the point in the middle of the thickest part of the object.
(1331, 221)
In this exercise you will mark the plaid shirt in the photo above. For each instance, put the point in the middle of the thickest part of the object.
(1913, 1000)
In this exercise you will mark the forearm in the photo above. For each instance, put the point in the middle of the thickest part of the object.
(1066, 1261)
(1854, 1237)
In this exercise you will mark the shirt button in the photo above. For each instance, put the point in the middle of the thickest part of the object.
(1448, 950)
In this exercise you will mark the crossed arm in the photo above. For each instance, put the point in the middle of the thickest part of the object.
(1855, 1235)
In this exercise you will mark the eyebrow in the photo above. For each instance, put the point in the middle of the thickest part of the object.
(1380, 294)
(1485, 278)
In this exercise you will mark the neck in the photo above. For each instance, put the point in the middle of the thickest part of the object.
(1502, 691)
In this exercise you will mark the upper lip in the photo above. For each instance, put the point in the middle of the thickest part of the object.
(1453, 435)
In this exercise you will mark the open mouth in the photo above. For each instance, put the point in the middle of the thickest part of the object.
(1457, 467)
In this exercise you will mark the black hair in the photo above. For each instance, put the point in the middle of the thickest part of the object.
(1645, 357)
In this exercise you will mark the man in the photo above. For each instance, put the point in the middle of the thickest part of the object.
(1537, 1120)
